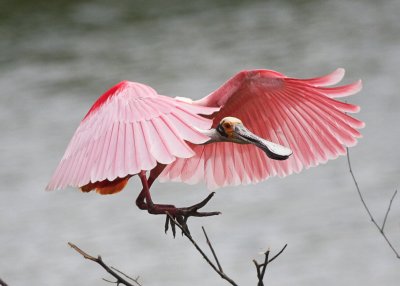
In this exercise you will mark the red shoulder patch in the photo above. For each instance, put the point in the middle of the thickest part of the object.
(102, 99)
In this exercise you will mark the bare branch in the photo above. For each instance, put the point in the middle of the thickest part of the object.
(381, 229)
(111, 270)
(2, 283)
(260, 268)
(120, 276)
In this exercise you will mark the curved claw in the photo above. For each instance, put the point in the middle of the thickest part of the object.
(201, 204)
(181, 215)
(170, 221)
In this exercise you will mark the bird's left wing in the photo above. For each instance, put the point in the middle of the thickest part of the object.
(301, 114)
(128, 129)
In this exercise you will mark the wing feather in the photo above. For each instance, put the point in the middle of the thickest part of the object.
(311, 135)
(94, 160)
(78, 165)
(301, 114)
(120, 154)
(159, 147)
(330, 79)
(83, 167)
(317, 136)
(195, 164)
(288, 136)
(193, 118)
(58, 177)
(128, 129)
(172, 138)
(333, 128)
(237, 168)
(302, 138)
(341, 91)
(144, 158)
(130, 157)
(102, 166)
(186, 130)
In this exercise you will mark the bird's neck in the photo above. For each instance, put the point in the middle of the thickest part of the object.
(213, 134)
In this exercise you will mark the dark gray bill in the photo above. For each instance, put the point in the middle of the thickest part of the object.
(273, 150)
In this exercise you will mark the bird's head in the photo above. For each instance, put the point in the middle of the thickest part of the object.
(231, 129)
(226, 127)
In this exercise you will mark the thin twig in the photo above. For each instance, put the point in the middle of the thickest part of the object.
(2, 283)
(212, 250)
(136, 280)
(381, 229)
(260, 268)
(388, 210)
(111, 270)
(279, 253)
(220, 273)
(109, 281)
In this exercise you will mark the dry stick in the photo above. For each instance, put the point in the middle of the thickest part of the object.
(220, 272)
(263, 266)
(381, 229)
(2, 283)
(113, 271)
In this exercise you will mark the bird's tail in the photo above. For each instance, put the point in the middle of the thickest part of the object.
(107, 187)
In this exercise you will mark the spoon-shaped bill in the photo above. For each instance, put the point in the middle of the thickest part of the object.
(273, 150)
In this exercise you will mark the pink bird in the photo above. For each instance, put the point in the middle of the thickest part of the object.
(131, 130)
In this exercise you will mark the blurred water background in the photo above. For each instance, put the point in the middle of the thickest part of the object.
(57, 57)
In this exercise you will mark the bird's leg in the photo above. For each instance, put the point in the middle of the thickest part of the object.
(140, 201)
(145, 202)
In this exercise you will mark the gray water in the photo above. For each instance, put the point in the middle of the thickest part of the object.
(57, 57)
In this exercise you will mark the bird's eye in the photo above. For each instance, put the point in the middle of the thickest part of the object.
(227, 125)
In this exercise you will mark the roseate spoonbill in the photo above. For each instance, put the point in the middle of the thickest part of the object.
(131, 130)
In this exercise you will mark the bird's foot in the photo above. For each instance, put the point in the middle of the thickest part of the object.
(181, 215)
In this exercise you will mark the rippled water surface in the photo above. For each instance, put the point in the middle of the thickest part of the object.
(57, 57)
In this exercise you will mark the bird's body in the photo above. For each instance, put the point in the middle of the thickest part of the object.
(132, 129)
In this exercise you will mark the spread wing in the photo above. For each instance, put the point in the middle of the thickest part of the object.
(128, 129)
(301, 114)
